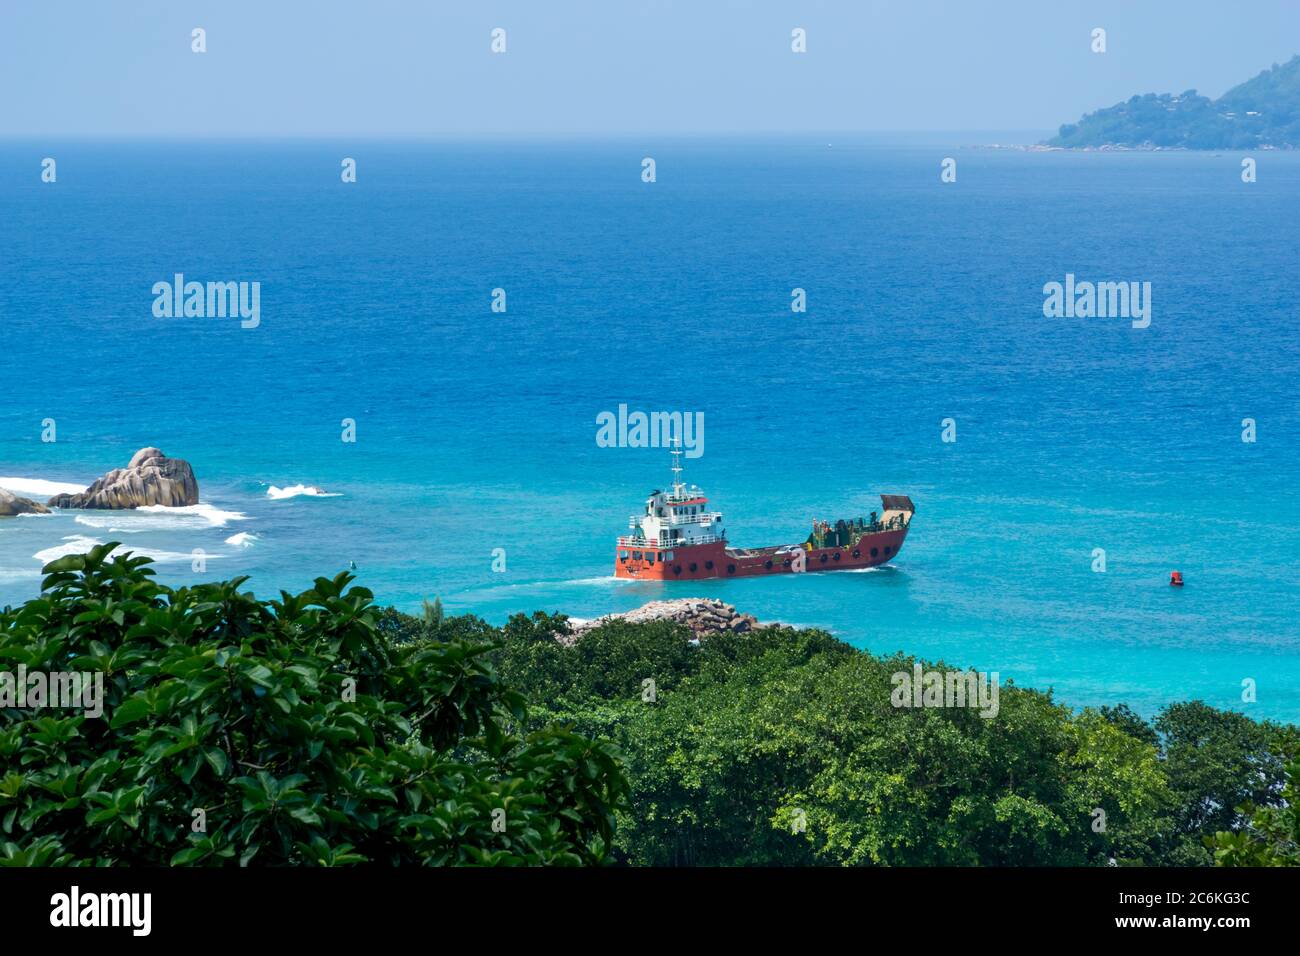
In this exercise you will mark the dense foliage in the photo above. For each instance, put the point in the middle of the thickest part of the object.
(317, 729)
(782, 747)
(1264, 111)
(293, 731)
(1272, 834)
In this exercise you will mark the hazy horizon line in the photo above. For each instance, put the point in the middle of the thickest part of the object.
(523, 134)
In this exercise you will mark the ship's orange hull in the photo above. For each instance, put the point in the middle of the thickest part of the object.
(716, 560)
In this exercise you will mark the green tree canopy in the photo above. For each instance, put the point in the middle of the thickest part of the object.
(782, 746)
(1262, 111)
(293, 730)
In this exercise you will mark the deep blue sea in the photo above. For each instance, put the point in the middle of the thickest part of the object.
(476, 430)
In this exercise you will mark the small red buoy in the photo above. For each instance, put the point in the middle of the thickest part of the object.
(1176, 579)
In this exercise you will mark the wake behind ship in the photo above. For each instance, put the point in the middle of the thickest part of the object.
(679, 538)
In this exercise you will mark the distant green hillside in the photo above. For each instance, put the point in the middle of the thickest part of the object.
(1264, 111)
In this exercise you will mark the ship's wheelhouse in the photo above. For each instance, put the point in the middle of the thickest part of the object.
(671, 520)
(680, 518)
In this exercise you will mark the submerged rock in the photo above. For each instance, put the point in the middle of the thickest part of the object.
(11, 504)
(150, 479)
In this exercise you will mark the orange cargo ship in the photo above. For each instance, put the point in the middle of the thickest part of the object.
(678, 538)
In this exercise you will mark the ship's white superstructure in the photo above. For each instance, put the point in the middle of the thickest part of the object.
(677, 518)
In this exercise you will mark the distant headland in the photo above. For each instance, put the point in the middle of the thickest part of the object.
(1262, 113)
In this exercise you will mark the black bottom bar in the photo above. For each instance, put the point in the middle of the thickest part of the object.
(365, 905)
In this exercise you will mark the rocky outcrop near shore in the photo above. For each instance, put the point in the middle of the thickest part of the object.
(150, 479)
(11, 505)
(702, 616)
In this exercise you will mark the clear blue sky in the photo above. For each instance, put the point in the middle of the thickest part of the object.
(423, 67)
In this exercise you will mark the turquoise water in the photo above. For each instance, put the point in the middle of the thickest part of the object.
(476, 430)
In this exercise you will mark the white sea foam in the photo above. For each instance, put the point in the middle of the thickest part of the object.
(40, 487)
(209, 513)
(167, 557)
(159, 518)
(18, 574)
(548, 584)
(493, 591)
(588, 582)
(79, 543)
(76, 544)
(111, 523)
(244, 539)
(293, 491)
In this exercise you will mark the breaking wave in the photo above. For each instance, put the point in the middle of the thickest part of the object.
(160, 518)
(79, 543)
(40, 487)
(294, 491)
(209, 513)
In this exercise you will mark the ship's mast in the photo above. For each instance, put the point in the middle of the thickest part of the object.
(678, 486)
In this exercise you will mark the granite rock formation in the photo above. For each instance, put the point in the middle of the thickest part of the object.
(150, 479)
(11, 504)
(702, 616)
